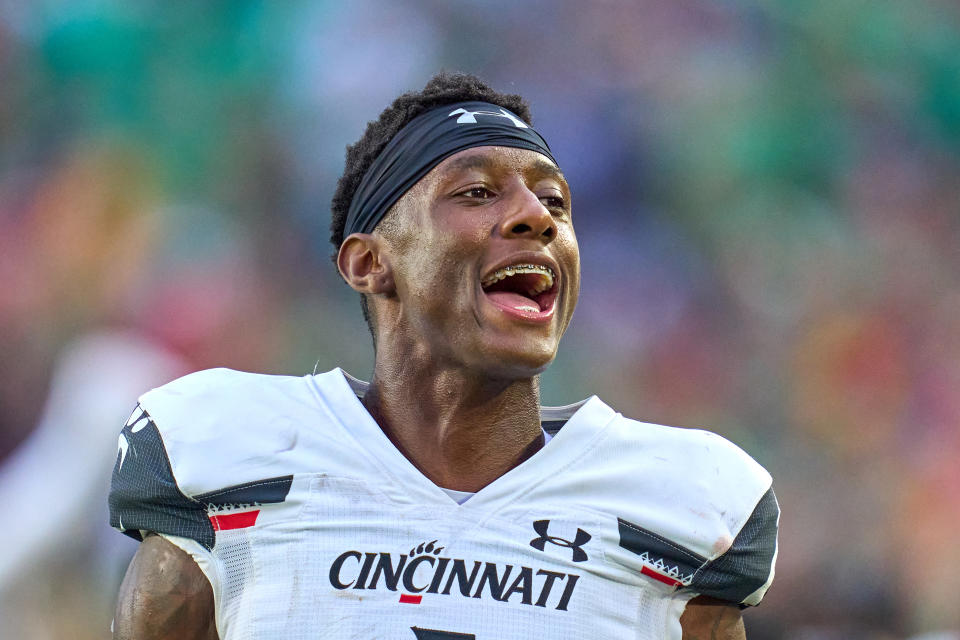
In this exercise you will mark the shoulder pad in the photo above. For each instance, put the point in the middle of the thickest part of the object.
(222, 427)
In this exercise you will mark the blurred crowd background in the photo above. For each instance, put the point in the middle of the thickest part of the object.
(766, 193)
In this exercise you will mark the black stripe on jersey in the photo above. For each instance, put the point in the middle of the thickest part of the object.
(552, 426)
(641, 541)
(144, 495)
(746, 565)
(733, 576)
(435, 634)
(271, 490)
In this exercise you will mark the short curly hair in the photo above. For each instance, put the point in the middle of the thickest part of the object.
(443, 88)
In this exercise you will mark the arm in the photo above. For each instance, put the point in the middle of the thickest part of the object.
(707, 618)
(164, 596)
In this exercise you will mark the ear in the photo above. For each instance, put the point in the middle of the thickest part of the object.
(364, 265)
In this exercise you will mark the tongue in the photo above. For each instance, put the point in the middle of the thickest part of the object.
(513, 300)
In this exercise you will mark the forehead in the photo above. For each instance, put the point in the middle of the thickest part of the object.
(528, 163)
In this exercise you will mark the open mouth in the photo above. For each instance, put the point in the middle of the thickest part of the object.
(527, 290)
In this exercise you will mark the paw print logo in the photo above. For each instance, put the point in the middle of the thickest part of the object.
(423, 553)
(425, 547)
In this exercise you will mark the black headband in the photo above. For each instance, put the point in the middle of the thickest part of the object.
(423, 143)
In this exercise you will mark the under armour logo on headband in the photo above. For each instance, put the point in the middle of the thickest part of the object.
(471, 116)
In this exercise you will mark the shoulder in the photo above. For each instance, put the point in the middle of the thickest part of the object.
(220, 438)
(674, 468)
(213, 397)
(691, 508)
(221, 427)
(696, 461)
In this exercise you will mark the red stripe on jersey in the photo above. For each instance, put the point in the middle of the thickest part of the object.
(408, 599)
(659, 576)
(234, 520)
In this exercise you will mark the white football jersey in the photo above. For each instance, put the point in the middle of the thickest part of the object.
(309, 523)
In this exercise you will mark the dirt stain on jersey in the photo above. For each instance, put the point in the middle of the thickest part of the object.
(722, 544)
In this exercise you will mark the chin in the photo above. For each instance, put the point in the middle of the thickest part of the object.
(518, 364)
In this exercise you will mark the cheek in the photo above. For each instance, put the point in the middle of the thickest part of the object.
(436, 281)
(452, 246)
(570, 255)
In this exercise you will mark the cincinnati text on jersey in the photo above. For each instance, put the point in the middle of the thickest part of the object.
(423, 571)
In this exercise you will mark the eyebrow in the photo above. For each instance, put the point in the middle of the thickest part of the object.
(548, 169)
(471, 162)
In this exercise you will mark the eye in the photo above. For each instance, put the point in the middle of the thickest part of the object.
(553, 202)
(477, 193)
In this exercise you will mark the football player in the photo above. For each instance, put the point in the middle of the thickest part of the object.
(439, 500)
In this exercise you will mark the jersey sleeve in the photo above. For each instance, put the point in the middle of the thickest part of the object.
(699, 515)
(144, 495)
(203, 453)
(739, 574)
(743, 573)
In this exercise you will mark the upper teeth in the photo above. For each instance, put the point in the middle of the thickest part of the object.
(512, 270)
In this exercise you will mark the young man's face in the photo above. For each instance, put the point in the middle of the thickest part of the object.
(457, 231)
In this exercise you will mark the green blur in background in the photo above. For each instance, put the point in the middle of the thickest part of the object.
(767, 196)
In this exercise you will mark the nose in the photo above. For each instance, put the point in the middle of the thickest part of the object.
(528, 218)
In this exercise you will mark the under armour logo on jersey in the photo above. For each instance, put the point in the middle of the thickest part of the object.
(471, 116)
(582, 537)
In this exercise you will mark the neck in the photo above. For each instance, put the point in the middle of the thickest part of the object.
(461, 431)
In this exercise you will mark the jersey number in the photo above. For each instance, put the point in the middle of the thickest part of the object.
(434, 634)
